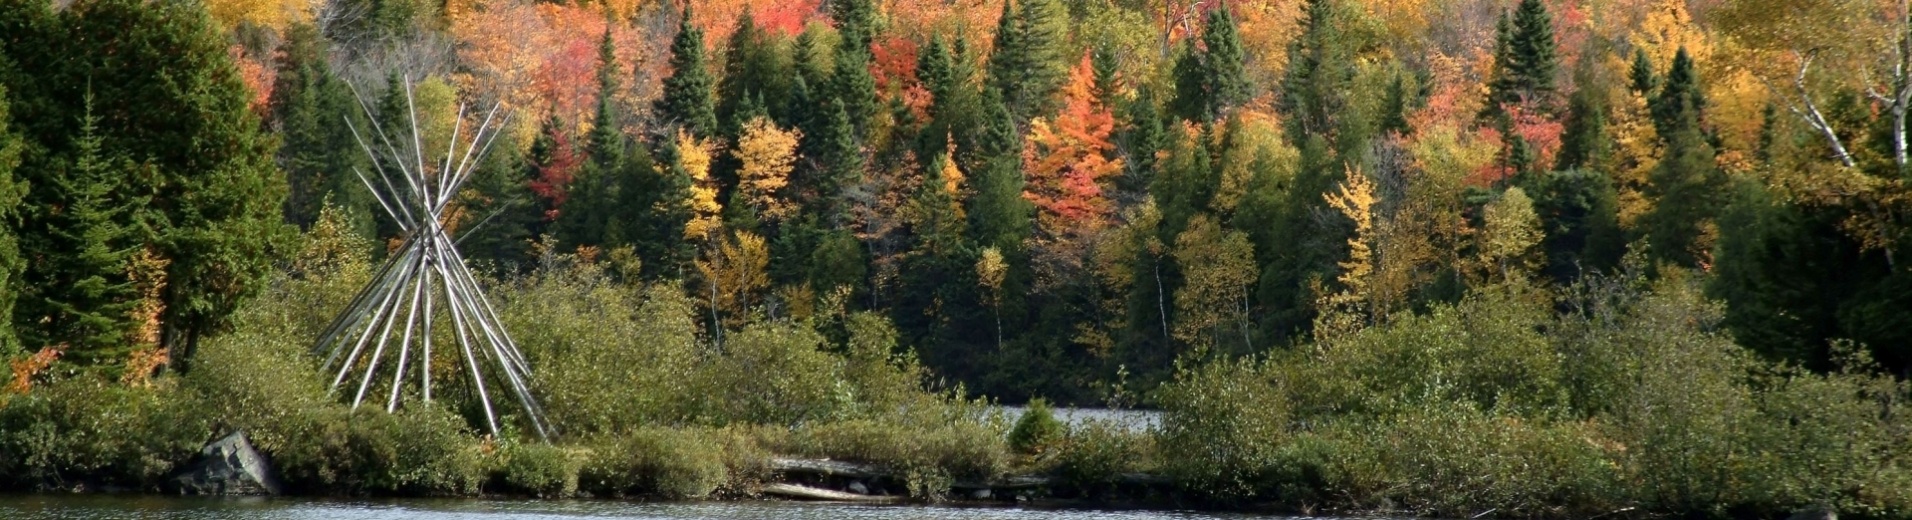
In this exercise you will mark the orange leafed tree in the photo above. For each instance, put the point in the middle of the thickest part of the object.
(1067, 159)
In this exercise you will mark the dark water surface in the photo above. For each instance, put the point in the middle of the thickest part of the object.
(138, 507)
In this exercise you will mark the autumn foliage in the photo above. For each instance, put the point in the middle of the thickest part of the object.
(1068, 159)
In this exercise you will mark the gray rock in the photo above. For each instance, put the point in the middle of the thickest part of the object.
(982, 494)
(856, 486)
(228, 466)
(1815, 512)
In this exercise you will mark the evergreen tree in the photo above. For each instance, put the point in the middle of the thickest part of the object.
(81, 216)
(1321, 69)
(1145, 134)
(1191, 89)
(1584, 142)
(215, 197)
(1224, 63)
(1524, 59)
(1641, 76)
(1579, 214)
(855, 22)
(999, 216)
(507, 214)
(751, 65)
(687, 98)
(1679, 96)
(592, 196)
(854, 87)
(1687, 190)
(1394, 108)
(842, 165)
(311, 106)
(1107, 67)
(11, 192)
(1028, 66)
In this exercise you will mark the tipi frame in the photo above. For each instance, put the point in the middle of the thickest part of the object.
(425, 270)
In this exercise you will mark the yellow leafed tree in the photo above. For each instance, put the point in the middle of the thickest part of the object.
(767, 154)
(693, 154)
(736, 272)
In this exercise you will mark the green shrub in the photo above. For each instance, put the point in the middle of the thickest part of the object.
(929, 448)
(1097, 451)
(1037, 431)
(1225, 424)
(540, 470)
(425, 452)
(85, 430)
(672, 464)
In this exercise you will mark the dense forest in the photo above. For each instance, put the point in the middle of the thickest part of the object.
(1048, 198)
(1552, 258)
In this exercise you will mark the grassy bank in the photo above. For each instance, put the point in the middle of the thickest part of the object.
(1617, 397)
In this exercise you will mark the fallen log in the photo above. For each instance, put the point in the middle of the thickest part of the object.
(813, 493)
(828, 468)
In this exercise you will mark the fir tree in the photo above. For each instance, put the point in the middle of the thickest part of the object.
(1679, 96)
(1687, 190)
(592, 195)
(1641, 76)
(999, 216)
(1579, 215)
(507, 215)
(1584, 142)
(1321, 77)
(82, 217)
(751, 64)
(853, 85)
(687, 98)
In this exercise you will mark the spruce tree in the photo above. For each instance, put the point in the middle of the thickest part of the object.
(1321, 68)
(82, 217)
(751, 65)
(1224, 63)
(998, 215)
(687, 99)
(853, 85)
(1641, 76)
(842, 165)
(1584, 143)
(593, 194)
(1579, 214)
(1679, 94)
(507, 215)
(1525, 60)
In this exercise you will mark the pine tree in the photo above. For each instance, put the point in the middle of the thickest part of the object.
(687, 98)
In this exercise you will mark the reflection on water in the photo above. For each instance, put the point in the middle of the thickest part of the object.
(1137, 420)
(133, 507)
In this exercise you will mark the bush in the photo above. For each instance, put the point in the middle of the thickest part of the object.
(1099, 451)
(540, 470)
(930, 447)
(85, 431)
(423, 452)
(673, 464)
(1037, 431)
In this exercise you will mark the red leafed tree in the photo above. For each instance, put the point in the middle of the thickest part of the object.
(554, 174)
(1067, 161)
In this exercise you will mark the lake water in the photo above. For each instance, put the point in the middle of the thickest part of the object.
(132, 507)
(1137, 420)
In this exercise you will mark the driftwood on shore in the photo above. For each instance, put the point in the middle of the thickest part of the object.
(816, 493)
(806, 479)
